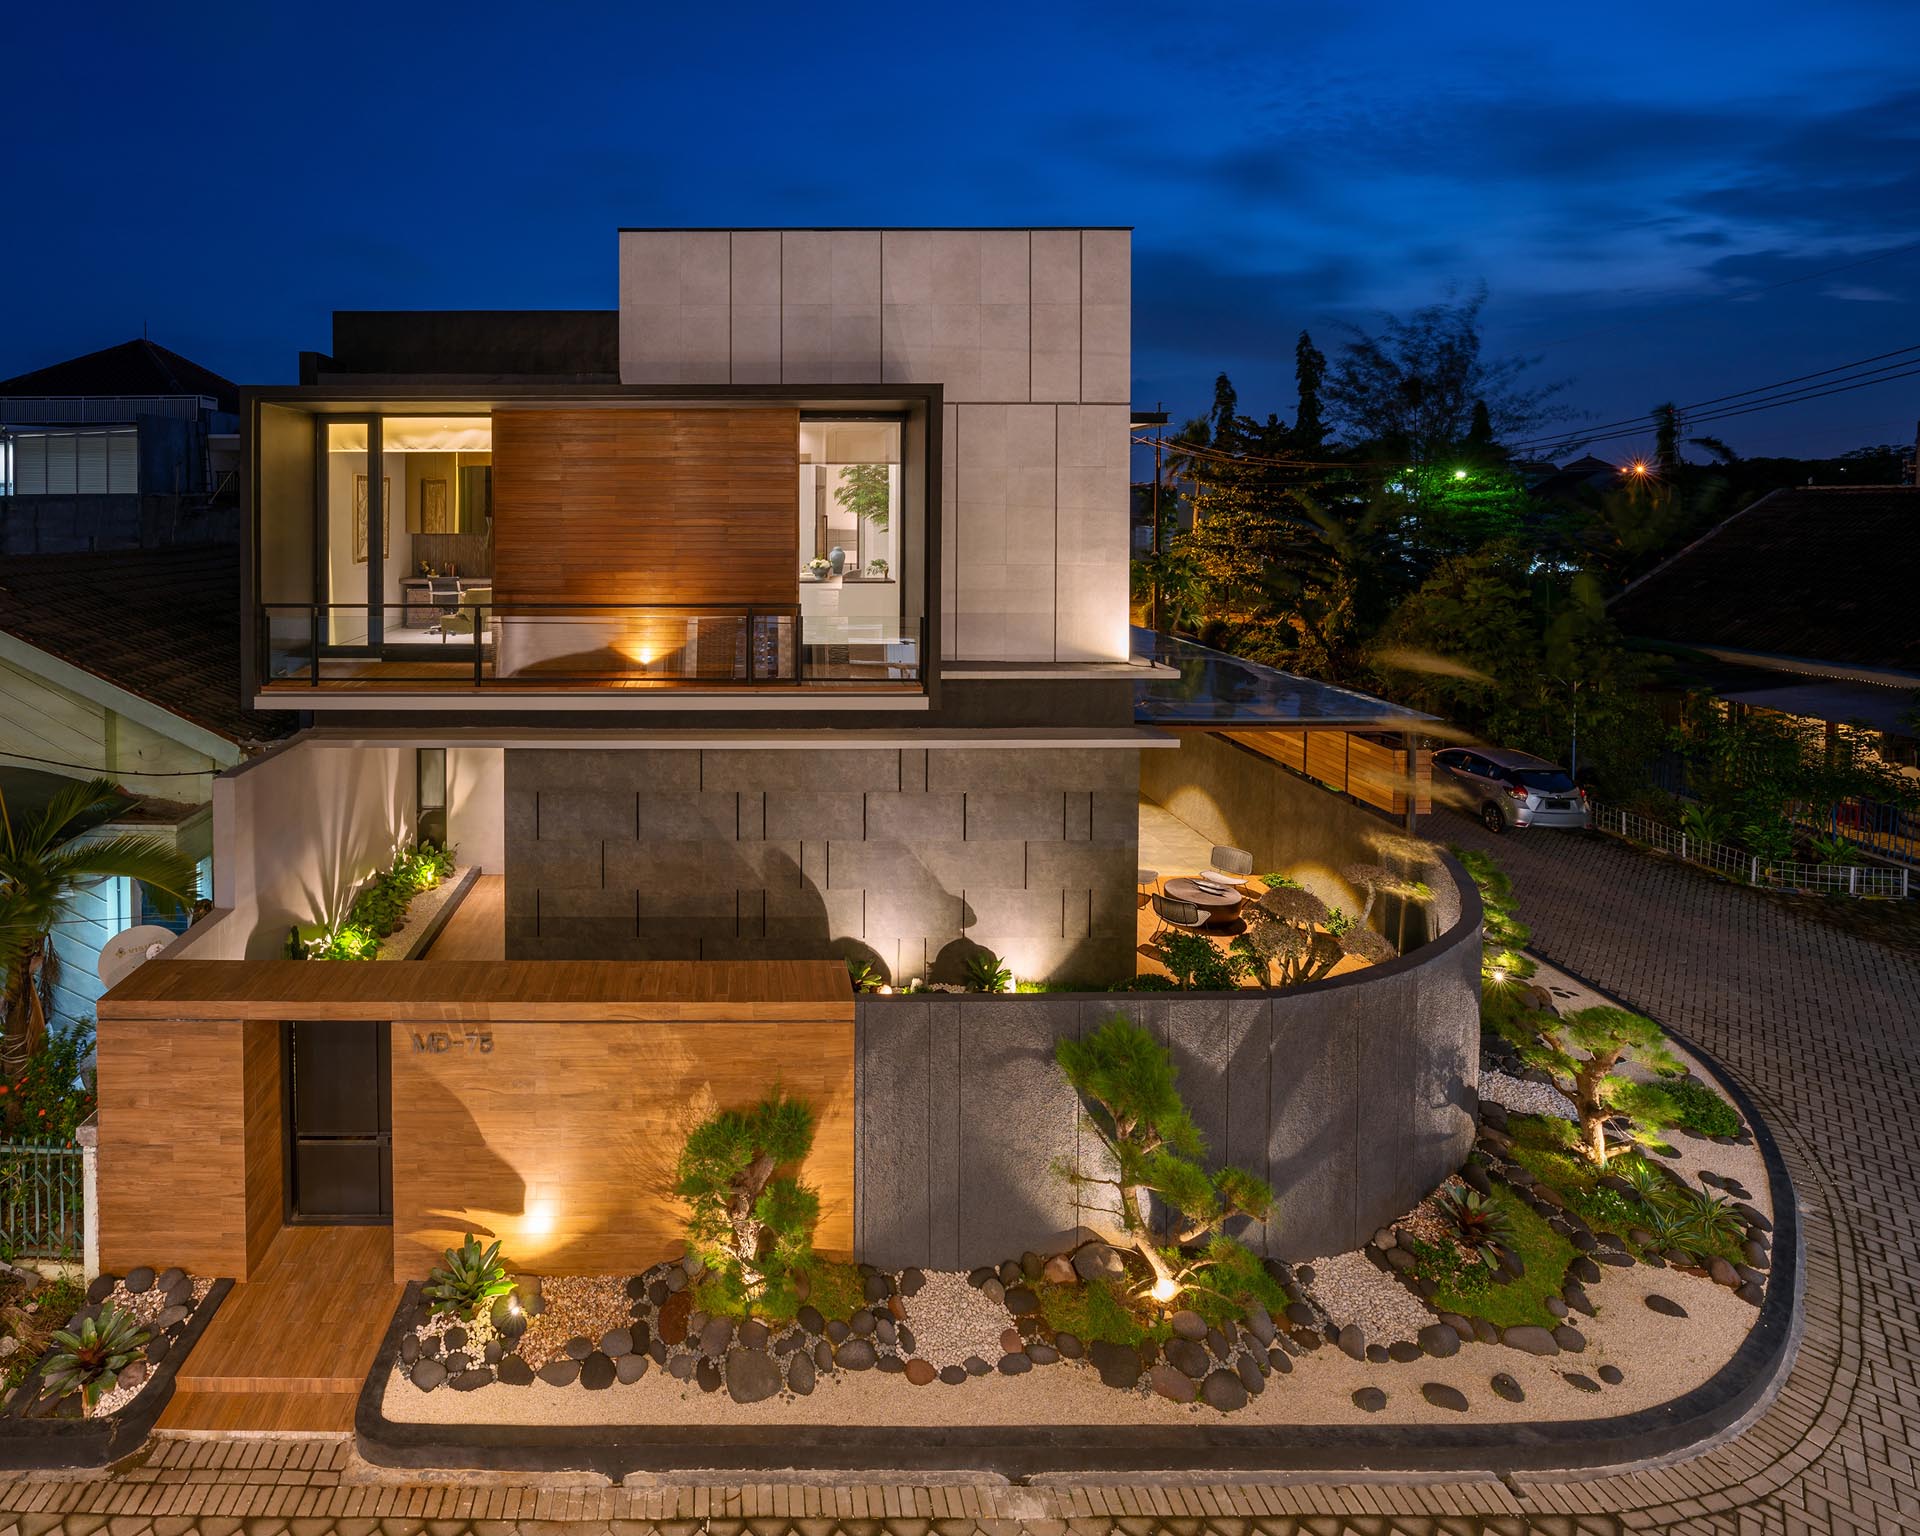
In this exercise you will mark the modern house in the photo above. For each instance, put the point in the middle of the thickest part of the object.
(1797, 606)
(133, 446)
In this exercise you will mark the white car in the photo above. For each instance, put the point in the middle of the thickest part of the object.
(1511, 789)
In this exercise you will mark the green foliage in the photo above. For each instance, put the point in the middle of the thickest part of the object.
(1757, 770)
(863, 491)
(750, 1224)
(1151, 981)
(1227, 1277)
(51, 1096)
(378, 909)
(1582, 1052)
(1834, 850)
(1280, 882)
(863, 976)
(1682, 1102)
(1470, 1287)
(1710, 1220)
(1504, 937)
(89, 1358)
(1706, 823)
(1100, 1311)
(1126, 1077)
(1196, 962)
(1480, 1225)
(466, 1279)
(1339, 922)
(56, 1299)
(986, 972)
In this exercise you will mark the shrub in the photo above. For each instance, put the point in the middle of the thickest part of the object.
(1196, 963)
(1154, 1151)
(51, 1096)
(1481, 1227)
(1684, 1102)
(467, 1279)
(986, 973)
(378, 909)
(1710, 1220)
(750, 1224)
(1504, 937)
(1151, 981)
(89, 1358)
(863, 976)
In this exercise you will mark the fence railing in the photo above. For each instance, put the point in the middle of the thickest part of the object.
(1753, 868)
(42, 1199)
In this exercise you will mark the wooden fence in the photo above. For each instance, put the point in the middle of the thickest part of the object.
(1371, 768)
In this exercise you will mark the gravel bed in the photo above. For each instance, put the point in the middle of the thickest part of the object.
(577, 1306)
(1526, 1098)
(146, 1307)
(1350, 1289)
(952, 1319)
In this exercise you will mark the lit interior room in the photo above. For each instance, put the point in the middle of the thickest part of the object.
(849, 532)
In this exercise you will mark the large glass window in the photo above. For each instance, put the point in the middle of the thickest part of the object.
(850, 528)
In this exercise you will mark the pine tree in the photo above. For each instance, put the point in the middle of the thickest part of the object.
(1309, 368)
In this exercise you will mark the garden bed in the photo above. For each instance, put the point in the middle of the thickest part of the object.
(43, 1428)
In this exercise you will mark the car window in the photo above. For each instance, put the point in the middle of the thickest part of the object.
(1553, 781)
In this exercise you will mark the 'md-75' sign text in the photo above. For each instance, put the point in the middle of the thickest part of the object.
(437, 1042)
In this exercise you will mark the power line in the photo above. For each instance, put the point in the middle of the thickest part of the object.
(1573, 435)
(110, 773)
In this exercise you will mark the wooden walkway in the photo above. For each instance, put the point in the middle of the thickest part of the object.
(289, 1350)
(477, 930)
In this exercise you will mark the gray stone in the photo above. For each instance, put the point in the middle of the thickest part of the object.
(1259, 1324)
(1353, 1342)
(1403, 1351)
(630, 1368)
(139, 1280)
(1300, 1314)
(577, 1348)
(1377, 1354)
(1505, 1386)
(1022, 1302)
(810, 1319)
(975, 1366)
(855, 1355)
(1016, 1364)
(101, 1288)
(1042, 1354)
(596, 1372)
(1556, 1306)
(1440, 1340)
(1369, 1399)
(428, 1374)
(823, 1356)
(953, 1375)
(1665, 1306)
(1175, 1386)
(1612, 1375)
(1280, 1360)
(559, 1373)
(994, 1291)
(1579, 1382)
(876, 1288)
(1187, 1357)
(1188, 1325)
(169, 1318)
(457, 1360)
(680, 1367)
(616, 1342)
(753, 1334)
(1069, 1345)
(1224, 1390)
(1751, 1292)
(753, 1375)
(910, 1281)
(471, 1380)
(1118, 1365)
(1251, 1376)
(1442, 1396)
(716, 1336)
(706, 1375)
(1484, 1332)
(1570, 1338)
(1531, 1338)
(1098, 1261)
(409, 1349)
(515, 1372)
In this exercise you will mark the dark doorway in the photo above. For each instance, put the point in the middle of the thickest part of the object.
(339, 1123)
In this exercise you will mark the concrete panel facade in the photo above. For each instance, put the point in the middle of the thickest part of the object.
(1353, 1097)
(1029, 335)
(907, 858)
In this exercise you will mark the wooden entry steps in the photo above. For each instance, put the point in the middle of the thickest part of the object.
(289, 1349)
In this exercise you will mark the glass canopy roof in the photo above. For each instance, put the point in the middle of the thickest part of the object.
(1214, 688)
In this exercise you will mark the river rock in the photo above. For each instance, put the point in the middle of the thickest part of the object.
(953, 1375)
(1096, 1261)
(1187, 1357)
(1369, 1399)
(1059, 1270)
(1259, 1324)
(1570, 1338)
(1251, 1376)
(1353, 1342)
(1069, 1346)
(1665, 1306)
(1280, 1360)
(1579, 1382)
(1505, 1386)
(753, 1375)
(1531, 1338)
(428, 1374)
(1189, 1325)
(1016, 1364)
(630, 1368)
(921, 1372)
(1118, 1365)
(1441, 1340)
(1175, 1386)
(801, 1373)
(562, 1372)
(1224, 1390)
(1021, 1302)
(1042, 1354)
(706, 1375)
(515, 1372)
(1611, 1375)
(855, 1355)
(1442, 1396)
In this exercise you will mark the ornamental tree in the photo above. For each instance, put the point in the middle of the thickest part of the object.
(750, 1224)
(1154, 1151)
(1582, 1052)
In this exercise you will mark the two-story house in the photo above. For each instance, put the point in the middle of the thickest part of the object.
(782, 612)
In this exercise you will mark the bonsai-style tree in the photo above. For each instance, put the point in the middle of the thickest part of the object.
(1582, 1050)
(864, 491)
(44, 866)
(1154, 1151)
(1283, 936)
(750, 1224)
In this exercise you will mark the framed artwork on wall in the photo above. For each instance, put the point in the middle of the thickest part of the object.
(360, 518)
(434, 516)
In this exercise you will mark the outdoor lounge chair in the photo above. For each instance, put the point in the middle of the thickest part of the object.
(1174, 913)
(1232, 865)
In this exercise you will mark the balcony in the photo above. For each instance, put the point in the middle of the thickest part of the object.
(473, 645)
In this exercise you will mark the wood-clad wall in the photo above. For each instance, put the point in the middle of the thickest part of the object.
(190, 1144)
(646, 506)
(560, 1139)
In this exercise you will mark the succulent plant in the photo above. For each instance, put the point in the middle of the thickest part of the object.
(90, 1356)
(986, 972)
(1711, 1219)
(1480, 1226)
(469, 1278)
(1648, 1182)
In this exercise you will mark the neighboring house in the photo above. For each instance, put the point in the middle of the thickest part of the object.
(132, 446)
(1800, 604)
(123, 664)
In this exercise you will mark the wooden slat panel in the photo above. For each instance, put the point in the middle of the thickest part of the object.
(174, 1145)
(561, 1142)
(646, 506)
(505, 990)
(1370, 771)
(264, 1136)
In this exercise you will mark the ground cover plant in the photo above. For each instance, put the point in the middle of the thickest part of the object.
(378, 909)
(30, 1318)
(1466, 1284)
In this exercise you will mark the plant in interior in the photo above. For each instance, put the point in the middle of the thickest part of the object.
(864, 490)
(1154, 1151)
(466, 1279)
(986, 972)
(46, 862)
(89, 1358)
(1581, 1051)
(877, 568)
(748, 1222)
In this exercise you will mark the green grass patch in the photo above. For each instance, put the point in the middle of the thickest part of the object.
(1100, 1310)
(1467, 1287)
(834, 1289)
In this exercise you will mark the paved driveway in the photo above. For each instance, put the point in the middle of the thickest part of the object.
(1820, 1025)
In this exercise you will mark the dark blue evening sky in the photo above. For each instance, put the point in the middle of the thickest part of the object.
(1655, 195)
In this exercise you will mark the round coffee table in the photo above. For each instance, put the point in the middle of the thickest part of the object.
(1215, 907)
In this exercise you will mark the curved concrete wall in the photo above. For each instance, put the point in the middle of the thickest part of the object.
(1353, 1096)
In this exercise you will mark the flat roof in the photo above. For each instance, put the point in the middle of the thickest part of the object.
(491, 991)
(1215, 689)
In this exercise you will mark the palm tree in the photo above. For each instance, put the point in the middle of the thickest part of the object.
(43, 868)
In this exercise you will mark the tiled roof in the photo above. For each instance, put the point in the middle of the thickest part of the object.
(160, 623)
(137, 367)
(1824, 573)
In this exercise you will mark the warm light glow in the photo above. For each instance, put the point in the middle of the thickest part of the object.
(1459, 474)
(542, 1216)
(513, 1305)
(1164, 1291)
(886, 990)
(1637, 467)
(1499, 976)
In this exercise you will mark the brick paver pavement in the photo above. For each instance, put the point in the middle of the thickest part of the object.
(1820, 1025)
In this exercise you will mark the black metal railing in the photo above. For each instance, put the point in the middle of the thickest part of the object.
(471, 644)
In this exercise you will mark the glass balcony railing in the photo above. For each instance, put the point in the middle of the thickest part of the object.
(481, 644)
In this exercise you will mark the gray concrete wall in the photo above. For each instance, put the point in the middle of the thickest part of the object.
(1353, 1097)
(905, 857)
(1291, 825)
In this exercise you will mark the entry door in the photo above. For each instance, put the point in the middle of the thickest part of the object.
(339, 1123)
